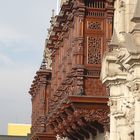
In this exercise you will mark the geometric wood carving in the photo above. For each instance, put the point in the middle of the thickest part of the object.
(94, 25)
(94, 50)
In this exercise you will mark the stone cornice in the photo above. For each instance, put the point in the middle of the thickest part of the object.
(115, 79)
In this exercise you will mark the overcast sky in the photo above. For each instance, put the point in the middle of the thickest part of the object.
(23, 29)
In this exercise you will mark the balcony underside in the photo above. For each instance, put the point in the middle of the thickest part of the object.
(79, 116)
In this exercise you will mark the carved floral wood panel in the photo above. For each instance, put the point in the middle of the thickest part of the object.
(94, 49)
(94, 25)
(79, 32)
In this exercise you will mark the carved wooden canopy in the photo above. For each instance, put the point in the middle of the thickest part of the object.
(80, 115)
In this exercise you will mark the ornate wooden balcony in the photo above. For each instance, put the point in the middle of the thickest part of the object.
(77, 116)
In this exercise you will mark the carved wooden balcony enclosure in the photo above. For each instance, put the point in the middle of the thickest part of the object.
(75, 100)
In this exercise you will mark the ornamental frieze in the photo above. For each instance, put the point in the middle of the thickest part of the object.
(74, 120)
(135, 89)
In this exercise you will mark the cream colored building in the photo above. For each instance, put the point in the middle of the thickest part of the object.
(121, 72)
(18, 129)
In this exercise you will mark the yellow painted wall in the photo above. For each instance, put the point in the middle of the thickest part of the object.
(18, 129)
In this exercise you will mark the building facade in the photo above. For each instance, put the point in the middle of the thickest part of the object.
(121, 72)
(68, 98)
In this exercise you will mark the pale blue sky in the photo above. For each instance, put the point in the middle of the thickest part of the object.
(23, 30)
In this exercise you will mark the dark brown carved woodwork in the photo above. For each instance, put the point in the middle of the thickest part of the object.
(94, 25)
(79, 114)
(94, 50)
(39, 92)
(95, 40)
(95, 4)
(96, 87)
(67, 102)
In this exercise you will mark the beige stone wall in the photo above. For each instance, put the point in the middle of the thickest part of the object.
(121, 72)
(124, 10)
